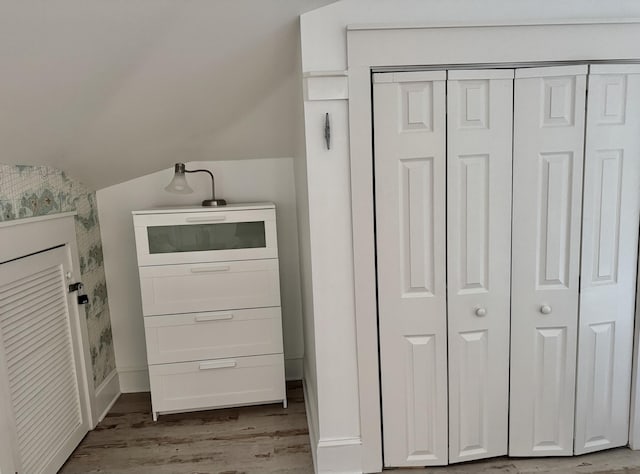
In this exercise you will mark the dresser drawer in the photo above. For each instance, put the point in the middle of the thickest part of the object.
(171, 289)
(195, 336)
(212, 235)
(217, 383)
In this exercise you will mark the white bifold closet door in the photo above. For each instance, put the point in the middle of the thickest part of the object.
(479, 131)
(609, 257)
(548, 138)
(409, 122)
(417, 246)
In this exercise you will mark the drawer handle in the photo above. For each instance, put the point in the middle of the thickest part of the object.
(217, 365)
(214, 317)
(206, 219)
(225, 268)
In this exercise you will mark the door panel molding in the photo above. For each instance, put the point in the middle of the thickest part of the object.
(549, 106)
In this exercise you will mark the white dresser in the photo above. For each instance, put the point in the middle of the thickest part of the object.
(211, 303)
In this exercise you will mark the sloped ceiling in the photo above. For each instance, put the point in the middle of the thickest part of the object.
(109, 90)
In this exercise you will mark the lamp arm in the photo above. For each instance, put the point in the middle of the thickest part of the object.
(213, 184)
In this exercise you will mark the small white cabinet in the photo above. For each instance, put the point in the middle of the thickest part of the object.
(211, 304)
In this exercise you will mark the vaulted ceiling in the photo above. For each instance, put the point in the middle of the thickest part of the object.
(109, 90)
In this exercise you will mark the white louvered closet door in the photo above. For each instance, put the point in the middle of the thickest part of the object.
(609, 257)
(39, 363)
(409, 122)
(479, 132)
(549, 110)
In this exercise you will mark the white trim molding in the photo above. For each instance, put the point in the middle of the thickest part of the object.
(340, 455)
(311, 410)
(326, 85)
(634, 414)
(107, 393)
(31, 220)
(490, 24)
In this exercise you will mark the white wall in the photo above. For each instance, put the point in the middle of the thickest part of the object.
(112, 90)
(236, 181)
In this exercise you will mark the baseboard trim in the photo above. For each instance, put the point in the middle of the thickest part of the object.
(313, 433)
(293, 369)
(340, 455)
(134, 379)
(105, 396)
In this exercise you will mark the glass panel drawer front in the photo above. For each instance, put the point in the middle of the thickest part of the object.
(205, 236)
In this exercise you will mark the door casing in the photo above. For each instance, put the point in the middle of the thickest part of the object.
(487, 45)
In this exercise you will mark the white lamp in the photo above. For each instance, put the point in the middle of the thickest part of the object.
(179, 185)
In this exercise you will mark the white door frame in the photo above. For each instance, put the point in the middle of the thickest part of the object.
(401, 46)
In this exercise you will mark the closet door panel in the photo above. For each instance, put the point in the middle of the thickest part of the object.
(609, 257)
(409, 134)
(479, 155)
(549, 109)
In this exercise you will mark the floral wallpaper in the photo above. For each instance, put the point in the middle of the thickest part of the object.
(29, 191)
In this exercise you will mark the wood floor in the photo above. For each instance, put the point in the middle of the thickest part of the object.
(260, 439)
(263, 440)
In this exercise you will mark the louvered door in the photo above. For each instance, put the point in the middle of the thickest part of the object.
(39, 362)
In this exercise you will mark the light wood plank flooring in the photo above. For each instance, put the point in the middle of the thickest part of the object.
(258, 439)
(263, 440)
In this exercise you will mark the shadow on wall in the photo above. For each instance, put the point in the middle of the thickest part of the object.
(31, 191)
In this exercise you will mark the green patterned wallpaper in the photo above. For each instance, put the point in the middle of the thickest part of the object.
(28, 191)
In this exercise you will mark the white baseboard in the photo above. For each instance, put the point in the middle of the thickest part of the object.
(134, 379)
(310, 407)
(330, 455)
(293, 369)
(105, 396)
(340, 455)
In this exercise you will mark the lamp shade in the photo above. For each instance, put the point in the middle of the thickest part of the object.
(179, 183)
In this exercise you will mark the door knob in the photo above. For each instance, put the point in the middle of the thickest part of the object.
(481, 311)
(545, 309)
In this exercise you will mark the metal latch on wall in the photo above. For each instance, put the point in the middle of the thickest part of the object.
(77, 286)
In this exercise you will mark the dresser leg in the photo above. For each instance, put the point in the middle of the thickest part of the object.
(155, 416)
(284, 403)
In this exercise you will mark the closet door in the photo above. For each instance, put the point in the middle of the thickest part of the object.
(409, 141)
(609, 257)
(479, 152)
(547, 181)
(45, 414)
